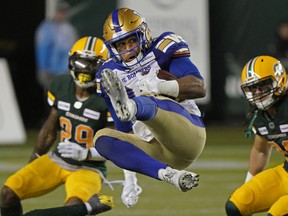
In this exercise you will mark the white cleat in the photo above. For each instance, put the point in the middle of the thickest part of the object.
(124, 107)
(183, 180)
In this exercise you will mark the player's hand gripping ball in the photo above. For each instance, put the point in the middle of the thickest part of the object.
(149, 83)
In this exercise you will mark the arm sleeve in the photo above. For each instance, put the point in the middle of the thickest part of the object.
(183, 66)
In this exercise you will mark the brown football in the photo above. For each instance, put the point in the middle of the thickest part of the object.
(166, 75)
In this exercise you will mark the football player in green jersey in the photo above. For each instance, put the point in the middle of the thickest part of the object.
(265, 190)
(77, 113)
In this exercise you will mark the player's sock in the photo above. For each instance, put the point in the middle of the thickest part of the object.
(146, 108)
(128, 156)
(73, 210)
(15, 210)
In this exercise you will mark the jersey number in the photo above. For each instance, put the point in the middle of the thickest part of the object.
(83, 133)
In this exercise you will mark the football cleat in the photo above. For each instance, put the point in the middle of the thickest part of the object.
(124, 107)
(182, 179)
(100, 203)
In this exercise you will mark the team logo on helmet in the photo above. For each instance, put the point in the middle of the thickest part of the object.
(278, 70)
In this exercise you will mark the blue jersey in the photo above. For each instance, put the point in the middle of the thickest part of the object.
(168, 52)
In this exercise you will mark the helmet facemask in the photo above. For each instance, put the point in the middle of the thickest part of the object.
(137, 51)
(83, 68)
(262, 93)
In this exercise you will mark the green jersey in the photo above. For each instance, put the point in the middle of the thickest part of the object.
(78, 120)
(274, 129)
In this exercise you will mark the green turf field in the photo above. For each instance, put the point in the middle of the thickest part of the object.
(222, 167)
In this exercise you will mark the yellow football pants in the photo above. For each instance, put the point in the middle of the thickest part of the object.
(43, 175)
(266, 191)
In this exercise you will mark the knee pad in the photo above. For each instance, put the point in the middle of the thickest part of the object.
(231, 209)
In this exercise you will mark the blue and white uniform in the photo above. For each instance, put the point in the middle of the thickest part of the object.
(177, 129)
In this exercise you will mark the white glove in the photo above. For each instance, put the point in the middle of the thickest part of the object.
(72, 150)
(149, 83)
(131, 189)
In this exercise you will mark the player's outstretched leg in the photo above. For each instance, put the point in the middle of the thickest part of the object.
(182, 179)
(125, 108)
(97, 204)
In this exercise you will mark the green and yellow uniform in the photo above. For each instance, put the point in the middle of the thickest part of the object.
(268, 190)
(78, 123)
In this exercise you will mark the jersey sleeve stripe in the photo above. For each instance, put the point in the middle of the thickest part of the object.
(182, 52)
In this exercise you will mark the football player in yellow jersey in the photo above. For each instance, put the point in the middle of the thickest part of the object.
(77, 113)
(264, 84)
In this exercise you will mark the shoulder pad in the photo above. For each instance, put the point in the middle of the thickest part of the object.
(59, 85)
(50, 98)
(59, 81)
(172, 43)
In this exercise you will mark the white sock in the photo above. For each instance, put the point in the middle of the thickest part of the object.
(132, 109)
(162, 172)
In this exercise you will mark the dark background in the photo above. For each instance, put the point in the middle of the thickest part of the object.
(239, 30)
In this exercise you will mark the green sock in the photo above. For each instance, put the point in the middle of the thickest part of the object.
(73, 210)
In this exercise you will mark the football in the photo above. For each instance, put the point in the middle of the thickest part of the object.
(166, 75)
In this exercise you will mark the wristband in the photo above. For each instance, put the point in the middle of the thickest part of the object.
(37, 155)
(170, 88)
(248, 176)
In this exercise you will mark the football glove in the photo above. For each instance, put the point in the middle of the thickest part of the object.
(72, 150)
(149, 83)
(131, 190)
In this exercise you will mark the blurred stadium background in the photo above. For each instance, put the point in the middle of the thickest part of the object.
(223, 35)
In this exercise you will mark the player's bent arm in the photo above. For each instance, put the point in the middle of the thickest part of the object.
(47, 135)
(191, 87)
(191, 83)
(259, 155)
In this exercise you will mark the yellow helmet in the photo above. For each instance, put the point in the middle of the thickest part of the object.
(123, 23)
(85, 58)
(263, 81)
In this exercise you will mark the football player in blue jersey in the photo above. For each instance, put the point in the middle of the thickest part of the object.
(264, 84)
(169, 133)
(77, 113)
